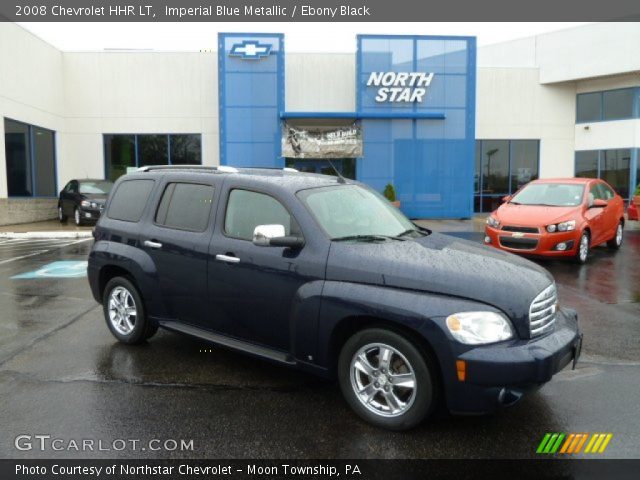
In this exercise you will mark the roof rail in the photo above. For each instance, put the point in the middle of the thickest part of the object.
(220, 168)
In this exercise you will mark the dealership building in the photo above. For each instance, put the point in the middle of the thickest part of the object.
(452, 127)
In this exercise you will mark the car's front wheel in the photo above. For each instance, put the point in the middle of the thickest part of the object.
(125, 313)
(584, 246)
(386, 379)
(77, 218)
(616, 242)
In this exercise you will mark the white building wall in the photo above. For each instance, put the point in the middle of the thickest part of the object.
(135, 92)
(31, 85)
(320, 82)
(512, 104)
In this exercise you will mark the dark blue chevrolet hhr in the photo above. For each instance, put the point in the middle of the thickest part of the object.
(325, 275)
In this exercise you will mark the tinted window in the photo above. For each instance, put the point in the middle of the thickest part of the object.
(587, 164)
(246, 210)
(615, 169)
(185, 206)
(119, 154)
(589, 108)
(153, 150)
(495, 166)
(605, 192)
(185, 149)
(44, 159)
(130, 199)
(618, 104)
(524, 162)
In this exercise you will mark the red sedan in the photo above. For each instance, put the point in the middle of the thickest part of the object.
(562, 217)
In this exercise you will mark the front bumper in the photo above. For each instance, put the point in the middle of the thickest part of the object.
(90, 214)
(536, 244)
(499, 375)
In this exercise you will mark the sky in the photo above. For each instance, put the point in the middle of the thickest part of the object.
(300, 37)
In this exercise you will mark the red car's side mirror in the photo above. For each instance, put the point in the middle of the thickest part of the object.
(506, 198)
(598, 203)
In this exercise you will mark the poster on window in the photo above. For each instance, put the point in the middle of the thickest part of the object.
(334, 142)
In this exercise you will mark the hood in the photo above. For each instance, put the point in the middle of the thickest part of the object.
(532, 215)
(94, 197)
(445, 265)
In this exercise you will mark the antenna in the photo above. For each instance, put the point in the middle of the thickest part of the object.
(341, 179)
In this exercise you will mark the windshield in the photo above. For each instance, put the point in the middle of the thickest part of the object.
(551, 194)
(99, 187)
(353, 211)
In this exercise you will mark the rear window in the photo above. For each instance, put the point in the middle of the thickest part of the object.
(129, 200)
(185, 206)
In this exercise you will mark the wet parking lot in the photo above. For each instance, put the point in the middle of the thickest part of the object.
(63, 374)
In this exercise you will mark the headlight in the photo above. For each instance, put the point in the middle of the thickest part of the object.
(567, 226)
(85, 203)
(551, 228)
(476, 328)
(493, 221)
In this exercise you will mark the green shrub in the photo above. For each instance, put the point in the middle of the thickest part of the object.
(389, 192)
(637, 190)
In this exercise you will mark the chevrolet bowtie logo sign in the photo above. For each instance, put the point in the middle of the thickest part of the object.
(250, 49)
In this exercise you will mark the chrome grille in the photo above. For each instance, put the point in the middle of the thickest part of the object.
(514, 228)
(542, 312)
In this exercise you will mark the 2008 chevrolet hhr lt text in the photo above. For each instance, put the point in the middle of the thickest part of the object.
(324, 274)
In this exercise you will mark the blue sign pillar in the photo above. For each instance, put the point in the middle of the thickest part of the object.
(251, 97)
(416, 95)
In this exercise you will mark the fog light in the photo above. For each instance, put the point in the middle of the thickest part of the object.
(487, 239)
(561, 247)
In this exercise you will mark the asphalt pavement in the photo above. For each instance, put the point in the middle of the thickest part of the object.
(63, 374)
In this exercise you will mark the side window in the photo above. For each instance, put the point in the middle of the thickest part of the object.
(594, 194)
(246, 210)
(185, 206)
(606, 192)
(129, 200)
(73, 186)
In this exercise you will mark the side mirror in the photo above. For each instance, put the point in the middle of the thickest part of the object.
(506, 198)
(598, 203)
(274, 236)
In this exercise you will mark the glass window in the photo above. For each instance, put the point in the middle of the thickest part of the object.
(618, 104)
(30, 160)
(587, 164)
(18, 157)
(605, 192)
(185, 206)
(524, 162)
(152, 150)
(550, 194)
(495, 167)
(96, 187)
(615, 170)
(476, 177)
(589, 107)
(120, 153)
(185, 149)
(44, 161)
(130, 199)
(246, 210)
(349, 210)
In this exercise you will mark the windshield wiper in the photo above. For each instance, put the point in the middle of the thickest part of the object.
(366, 238)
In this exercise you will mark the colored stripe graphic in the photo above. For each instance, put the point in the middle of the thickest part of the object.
(572, 443)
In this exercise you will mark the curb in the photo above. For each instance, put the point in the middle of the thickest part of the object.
(28, 235)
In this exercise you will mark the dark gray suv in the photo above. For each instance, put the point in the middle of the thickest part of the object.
(323, 274)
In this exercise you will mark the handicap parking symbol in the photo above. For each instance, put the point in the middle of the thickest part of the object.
(60, 269)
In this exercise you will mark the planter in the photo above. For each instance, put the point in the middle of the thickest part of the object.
(633, 211)
(396, 203)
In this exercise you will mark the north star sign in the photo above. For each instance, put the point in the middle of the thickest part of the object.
(399, 87)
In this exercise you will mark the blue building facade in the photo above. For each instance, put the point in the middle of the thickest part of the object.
(415, 100)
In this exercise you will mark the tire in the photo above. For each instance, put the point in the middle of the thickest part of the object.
(61, 216)
(77, 218)
(361, 354)
(583, 249)
(119, 296)
(616, 242)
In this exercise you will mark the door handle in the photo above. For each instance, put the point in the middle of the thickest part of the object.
(227, 258)
(152, 244)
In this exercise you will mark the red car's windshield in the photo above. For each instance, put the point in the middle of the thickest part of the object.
(550, 194)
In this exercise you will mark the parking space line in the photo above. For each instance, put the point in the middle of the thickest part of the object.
(38, 252)
(23, 256)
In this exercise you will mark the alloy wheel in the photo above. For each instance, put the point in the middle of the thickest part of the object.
(584, 247)
(76, 216)
(619, 235)
(383, 379)
(122, 310)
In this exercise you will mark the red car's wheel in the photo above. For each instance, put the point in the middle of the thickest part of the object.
(584, 245)
(616, 241)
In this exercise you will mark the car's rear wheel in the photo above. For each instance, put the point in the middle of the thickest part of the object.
(386, 379)
(616, 242)
(124, 312)
(584, 246)
(77, 218)
(61, 216)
